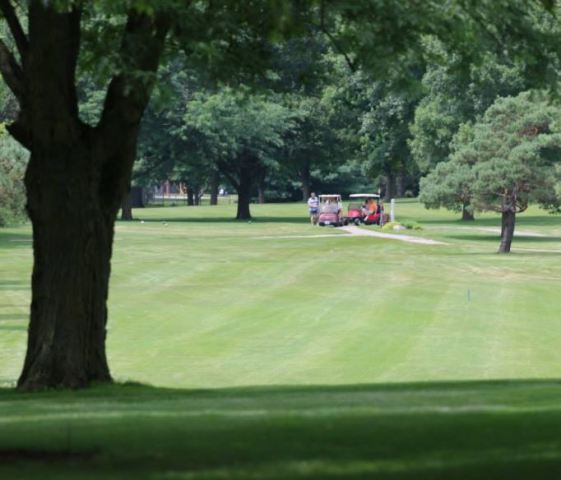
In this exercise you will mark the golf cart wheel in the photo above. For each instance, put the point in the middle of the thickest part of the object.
(356, 222)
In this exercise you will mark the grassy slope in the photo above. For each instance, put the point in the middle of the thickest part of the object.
(446, 431)
(207, 302)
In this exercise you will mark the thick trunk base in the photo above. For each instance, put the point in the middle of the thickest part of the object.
(400, 185)
(467, 214)
(507, 231)
(72, 246)
(243, 211)
(244, 195)
(67, 330)
(214, 185)
(126, 207)
(390, 187)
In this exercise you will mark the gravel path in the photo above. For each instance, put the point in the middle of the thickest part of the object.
(390, 236)
(356, 231)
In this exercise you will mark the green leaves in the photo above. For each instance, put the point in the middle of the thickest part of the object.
(231, 122)
(504, 161)
(13, 160)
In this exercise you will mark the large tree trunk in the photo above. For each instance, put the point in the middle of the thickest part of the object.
(467, 213)
(72, 242)
(244, 194)
(400, 185)
(214, 181)
(76, 179)
(126, 206)
(508, 222)
(389, 192)
(190, 196)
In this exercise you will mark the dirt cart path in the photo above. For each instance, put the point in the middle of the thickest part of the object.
(390, 236)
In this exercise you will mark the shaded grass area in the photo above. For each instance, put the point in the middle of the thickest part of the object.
(468, 430)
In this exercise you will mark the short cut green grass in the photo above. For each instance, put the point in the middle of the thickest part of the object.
(273, 353)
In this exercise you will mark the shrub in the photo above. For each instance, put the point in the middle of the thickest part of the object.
(412, 226)
(392, 226)
(13, 160)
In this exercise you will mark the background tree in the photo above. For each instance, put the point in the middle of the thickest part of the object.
(450, 184)
(242, 133)
(510, 159)
(455, 96)
(384, 138)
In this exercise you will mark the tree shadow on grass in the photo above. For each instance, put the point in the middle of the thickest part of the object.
(14, 285)
(515, 252)
(13, 328)
(482, 237)
(522, 221)
(462, 430)
(269, 219)
(14, 240)
(13, 316)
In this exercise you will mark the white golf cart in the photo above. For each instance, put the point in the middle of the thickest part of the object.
(330, 208)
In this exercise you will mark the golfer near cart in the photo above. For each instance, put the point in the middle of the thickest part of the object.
(366, 208)
(313, 208)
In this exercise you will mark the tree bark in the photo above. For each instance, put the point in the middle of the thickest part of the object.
(190, 197)
(389, 192)
(72, 244)
(244, 193)
(305, 179)
(508, 222)
(467, 213)
(214, 185)
(76, 178)
(126, 206)
(400, 185)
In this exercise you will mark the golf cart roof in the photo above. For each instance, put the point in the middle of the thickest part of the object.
(364, 195)
(331, 195)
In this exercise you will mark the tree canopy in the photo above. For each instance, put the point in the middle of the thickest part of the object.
(503, 162)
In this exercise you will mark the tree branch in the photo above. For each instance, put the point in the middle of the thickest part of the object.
(126, 99)
(11, 71)
(20, 131)
(129, 90)
(333, 40)
(483, 24)
(14, 24)
(225, 171)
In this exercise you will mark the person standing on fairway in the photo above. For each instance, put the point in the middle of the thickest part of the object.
(313, 208)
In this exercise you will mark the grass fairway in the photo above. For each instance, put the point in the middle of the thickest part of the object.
(275, 354)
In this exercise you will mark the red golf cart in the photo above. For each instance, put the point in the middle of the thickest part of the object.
(365, 208)
(330, 208)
